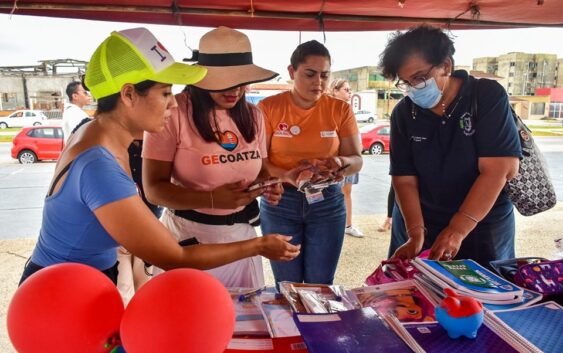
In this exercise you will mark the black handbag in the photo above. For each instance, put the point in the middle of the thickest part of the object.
(531, 191)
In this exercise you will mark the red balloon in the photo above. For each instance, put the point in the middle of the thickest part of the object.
(182, 310)
(64, 308)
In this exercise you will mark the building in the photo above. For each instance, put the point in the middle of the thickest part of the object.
(554, 101)
(258, 91)
(522, 73)
(486, 64)
(369, 86)
(559, 74)
(40, 86)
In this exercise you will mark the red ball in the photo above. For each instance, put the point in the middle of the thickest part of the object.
(64, 308)
(182, 310)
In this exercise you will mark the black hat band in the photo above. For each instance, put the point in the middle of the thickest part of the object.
(228, 59)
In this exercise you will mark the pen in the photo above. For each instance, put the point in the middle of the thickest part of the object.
(246, 296)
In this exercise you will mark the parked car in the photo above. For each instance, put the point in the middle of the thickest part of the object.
(363, 116)
(23, 118)
(37, 143)
(376, 138)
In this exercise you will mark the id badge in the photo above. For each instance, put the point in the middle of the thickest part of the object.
(314, 196)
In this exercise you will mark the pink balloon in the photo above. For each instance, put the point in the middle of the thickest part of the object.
(182, 310)
(64, 308)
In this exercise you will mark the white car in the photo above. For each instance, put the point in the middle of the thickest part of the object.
(22, 118)
(365, 116)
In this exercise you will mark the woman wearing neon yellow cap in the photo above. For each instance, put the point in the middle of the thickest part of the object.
(93, 205)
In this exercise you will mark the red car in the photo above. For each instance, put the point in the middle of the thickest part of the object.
(376, 138)
(37, 143)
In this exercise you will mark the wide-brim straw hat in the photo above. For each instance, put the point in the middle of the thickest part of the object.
(227, 55)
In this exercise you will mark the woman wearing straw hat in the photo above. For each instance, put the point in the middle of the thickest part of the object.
(93, 205)
(201, 164)
(305, 124)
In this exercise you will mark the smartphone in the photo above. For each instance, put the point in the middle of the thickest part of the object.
(342, 168)
(263, 184)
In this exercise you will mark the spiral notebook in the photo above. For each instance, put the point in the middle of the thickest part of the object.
(433, 338)
(540, 324)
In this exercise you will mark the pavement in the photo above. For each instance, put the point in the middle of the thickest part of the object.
(534, 237)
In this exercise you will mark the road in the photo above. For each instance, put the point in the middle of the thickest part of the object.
(23, 187)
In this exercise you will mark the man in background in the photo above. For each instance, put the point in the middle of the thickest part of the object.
(73, 113)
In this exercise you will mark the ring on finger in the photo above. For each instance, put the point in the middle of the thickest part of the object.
(447, 255)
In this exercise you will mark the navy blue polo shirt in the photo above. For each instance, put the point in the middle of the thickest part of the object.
(443, 151)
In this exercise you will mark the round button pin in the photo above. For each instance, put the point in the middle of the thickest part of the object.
(295, 130)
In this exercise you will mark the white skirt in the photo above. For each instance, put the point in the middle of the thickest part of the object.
(246, 273)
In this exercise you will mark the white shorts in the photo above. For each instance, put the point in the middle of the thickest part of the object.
(242, 273)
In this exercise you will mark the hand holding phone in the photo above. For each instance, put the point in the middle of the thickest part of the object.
(263, 184)
(342, 168)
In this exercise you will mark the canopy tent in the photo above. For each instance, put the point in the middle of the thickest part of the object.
(304, 15)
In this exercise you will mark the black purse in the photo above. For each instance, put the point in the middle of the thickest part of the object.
(531, 191)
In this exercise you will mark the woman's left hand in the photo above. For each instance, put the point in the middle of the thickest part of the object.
(446, 245)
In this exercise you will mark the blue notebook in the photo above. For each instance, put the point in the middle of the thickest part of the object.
(540, 324)
(469, 277)
(433, 338)
(357, 331)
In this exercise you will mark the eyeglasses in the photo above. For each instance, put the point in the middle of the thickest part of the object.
(347, 89)
(418, 82)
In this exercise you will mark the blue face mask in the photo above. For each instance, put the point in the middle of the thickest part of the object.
(427, 97)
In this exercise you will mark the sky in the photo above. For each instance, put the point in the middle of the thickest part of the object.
(26, 39)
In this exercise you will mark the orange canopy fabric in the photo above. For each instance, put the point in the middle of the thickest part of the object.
(304, 15)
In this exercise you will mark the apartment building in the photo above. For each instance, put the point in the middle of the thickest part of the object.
(522, 73)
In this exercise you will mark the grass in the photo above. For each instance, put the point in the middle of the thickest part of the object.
(543, 127)
(11, 129)
(537, 133)
(6, 138)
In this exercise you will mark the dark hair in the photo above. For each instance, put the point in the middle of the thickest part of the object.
(107, 104)
(203, 105)
(306, 49)
(430, 42)
(71, 88)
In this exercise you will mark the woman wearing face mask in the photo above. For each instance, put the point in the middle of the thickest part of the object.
(306, 125)
(210, 150)
(448, 168)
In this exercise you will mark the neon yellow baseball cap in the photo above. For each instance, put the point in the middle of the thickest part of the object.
(133, 56)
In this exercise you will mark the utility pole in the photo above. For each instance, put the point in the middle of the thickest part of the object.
(25, 92)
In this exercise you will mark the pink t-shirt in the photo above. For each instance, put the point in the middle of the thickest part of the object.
(202, 165)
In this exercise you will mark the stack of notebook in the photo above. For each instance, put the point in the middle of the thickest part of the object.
(395, 317)
(466, 277)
